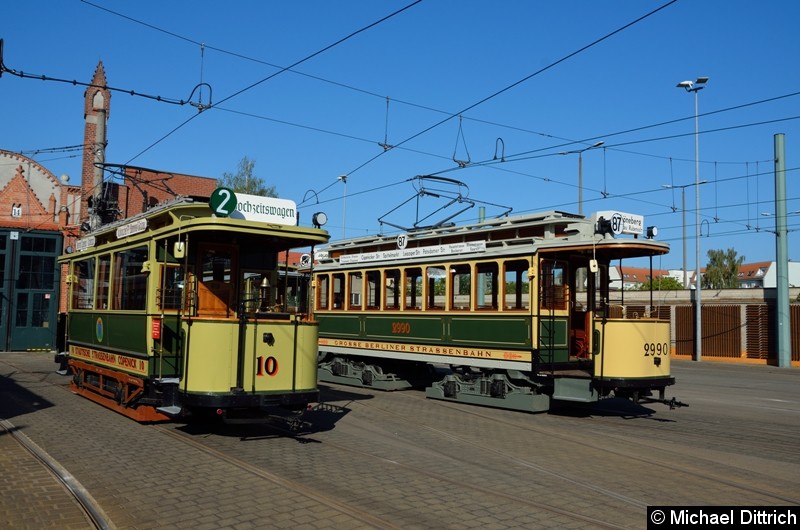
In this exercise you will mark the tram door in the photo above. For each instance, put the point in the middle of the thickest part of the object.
(580, 309)
(564, 308)
(216, 282)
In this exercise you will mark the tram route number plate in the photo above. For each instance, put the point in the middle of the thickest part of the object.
(223, 202)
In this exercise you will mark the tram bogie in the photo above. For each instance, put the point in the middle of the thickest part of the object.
(182, 313)
(522, 310)
(491, 389)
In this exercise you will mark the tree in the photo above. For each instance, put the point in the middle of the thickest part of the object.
(722, 271)
(662, 283)
(244, 181)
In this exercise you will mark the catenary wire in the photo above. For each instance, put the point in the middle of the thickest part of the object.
(296, 63)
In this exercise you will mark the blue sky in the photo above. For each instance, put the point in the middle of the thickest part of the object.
(465, 81)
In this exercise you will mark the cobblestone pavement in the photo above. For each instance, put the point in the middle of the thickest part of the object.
(398, 460)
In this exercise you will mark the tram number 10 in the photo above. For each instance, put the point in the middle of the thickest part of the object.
(654, 349)
(266, 366)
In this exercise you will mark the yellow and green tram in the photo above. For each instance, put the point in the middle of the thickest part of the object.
(512, 313)
(185, 311)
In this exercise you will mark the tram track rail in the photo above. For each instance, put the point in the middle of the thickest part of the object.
(662, 463)
(358, 513)
(297, 487)
(90, 508)
(405, 434)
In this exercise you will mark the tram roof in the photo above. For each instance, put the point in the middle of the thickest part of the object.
(188, 211)
(538, 219)
(545, 230)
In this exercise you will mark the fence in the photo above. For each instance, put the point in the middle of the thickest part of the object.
(738, 325)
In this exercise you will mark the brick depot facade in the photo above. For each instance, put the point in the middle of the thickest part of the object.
(42, 215)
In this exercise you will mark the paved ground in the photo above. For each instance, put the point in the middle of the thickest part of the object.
(398, 460)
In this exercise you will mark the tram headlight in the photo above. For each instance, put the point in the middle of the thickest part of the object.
(604, 227)
(319, 219)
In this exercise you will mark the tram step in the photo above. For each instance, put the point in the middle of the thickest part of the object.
(172, 410)
(574, 389)
(168, 380)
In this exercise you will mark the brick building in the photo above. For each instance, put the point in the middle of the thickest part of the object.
(42, 215)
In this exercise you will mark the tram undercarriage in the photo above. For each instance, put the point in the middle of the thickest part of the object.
(507, 389)
(131, 396)
(155, 400)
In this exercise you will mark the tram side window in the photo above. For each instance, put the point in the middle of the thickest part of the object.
(413, 288)
(601, 293)
(103, 280)
(83, 285)
(130, 283)
(554, 290)
(171, 287)
(373, 289)
(437, 287)
(517, 286)
(487, 286)
(338, 291)
(461, 281)
(355, 289)
(582, 288)
(323, 289)
(394, 292)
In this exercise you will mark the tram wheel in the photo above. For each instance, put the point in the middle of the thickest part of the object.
(119, 393)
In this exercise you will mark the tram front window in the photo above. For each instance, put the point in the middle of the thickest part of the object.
(171, 287)
(216, 285)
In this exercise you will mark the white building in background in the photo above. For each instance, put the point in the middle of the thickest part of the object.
(759, 275)
(764, 275)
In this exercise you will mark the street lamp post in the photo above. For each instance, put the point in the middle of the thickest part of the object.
(696, 87)
(579, 152)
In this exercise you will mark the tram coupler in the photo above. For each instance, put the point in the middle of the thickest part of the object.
(672, 403)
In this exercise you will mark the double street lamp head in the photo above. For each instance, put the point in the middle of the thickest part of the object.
(693, 86)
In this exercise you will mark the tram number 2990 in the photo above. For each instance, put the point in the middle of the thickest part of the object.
(653, 349)
(401, 328)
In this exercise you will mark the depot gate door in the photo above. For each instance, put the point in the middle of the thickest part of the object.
(29, 288)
